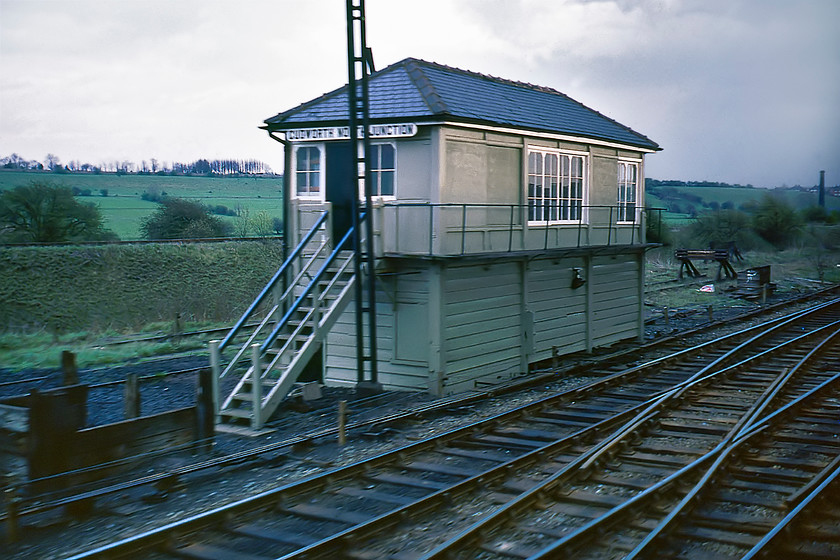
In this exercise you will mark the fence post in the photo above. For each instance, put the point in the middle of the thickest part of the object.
(206, 409)
(256, 387)
(216, 368)
(69, 368)
(12, 509)
(342, 422)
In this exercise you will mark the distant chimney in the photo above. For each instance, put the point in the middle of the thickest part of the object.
(822, 189)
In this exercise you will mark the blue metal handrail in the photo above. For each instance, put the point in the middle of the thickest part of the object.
(294, 307)
(274, 279)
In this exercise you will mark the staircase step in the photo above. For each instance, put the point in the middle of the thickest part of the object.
(235, 413)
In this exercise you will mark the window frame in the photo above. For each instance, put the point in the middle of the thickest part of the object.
(565, 205)
(623, 204)
(378, 182)
(321, 172)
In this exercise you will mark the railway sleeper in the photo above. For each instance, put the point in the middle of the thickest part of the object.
(199, 551)
(770, 474)
(810, 464)
(326, 513)
(809, 550)
(375, 495)
(290, 538)
(520, 443)
(509, 549)
(726, 521)
(439, 468)
(723, 536)
(706, 428)
(529, 434)
(479, 455)
(660, 460)
(571, 415)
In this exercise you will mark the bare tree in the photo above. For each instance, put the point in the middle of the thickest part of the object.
(52, 162)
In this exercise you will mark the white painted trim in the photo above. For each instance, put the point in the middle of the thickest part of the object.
(547, 135)
(322, 173)
(587, 185)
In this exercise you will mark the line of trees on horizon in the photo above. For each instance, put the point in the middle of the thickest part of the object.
(145, 167)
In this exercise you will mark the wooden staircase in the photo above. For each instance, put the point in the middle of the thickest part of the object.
(294, 325)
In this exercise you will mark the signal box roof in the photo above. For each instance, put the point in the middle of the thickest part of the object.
(417, 91)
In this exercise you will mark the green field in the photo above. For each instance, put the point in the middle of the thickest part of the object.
(123, 208)
(698, 199)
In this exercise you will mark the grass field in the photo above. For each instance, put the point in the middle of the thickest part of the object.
(687, 198)
(123, 208)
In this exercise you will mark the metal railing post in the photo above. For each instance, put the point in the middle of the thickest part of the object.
(216, 368)
(545, 241)
(463, 227)
(431, 228)
(609, 228)
(510, 230)
(256, 387)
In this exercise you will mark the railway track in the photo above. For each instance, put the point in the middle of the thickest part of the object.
(577, 454)
(82, 497)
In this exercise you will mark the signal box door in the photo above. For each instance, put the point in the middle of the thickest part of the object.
(340, 186)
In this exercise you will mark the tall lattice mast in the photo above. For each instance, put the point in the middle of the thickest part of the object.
(359, 66)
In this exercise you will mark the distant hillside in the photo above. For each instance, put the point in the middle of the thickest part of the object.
(686, 199)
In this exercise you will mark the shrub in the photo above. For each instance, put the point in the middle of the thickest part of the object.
(183, 219)
(46, 213)
(776, 221)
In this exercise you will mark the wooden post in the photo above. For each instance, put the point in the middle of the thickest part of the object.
(667, 318)
(555, 357)
(131, 402)
(12, 522)
(69, 368)
(342, 422)
(205, 429)
(711, 314)
(177, 327)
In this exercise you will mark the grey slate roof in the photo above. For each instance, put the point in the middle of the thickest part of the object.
(414, 90)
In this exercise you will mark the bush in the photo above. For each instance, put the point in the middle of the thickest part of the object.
(183, 219)
(776, 221)
(46, 213)
(815, 214)
(656, 230)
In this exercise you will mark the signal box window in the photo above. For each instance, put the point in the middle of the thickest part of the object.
(556, 186)
(308, 171)
(382, 169)
(627, 187)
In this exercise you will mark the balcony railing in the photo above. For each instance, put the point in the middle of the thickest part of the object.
(464, 229)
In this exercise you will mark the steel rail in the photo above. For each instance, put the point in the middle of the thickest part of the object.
(756, 427)
(508, 511)
(779, 532)
(741, 432)
(341, 537)
(613, 378)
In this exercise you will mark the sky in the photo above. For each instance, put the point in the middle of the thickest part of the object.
(737, 91)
